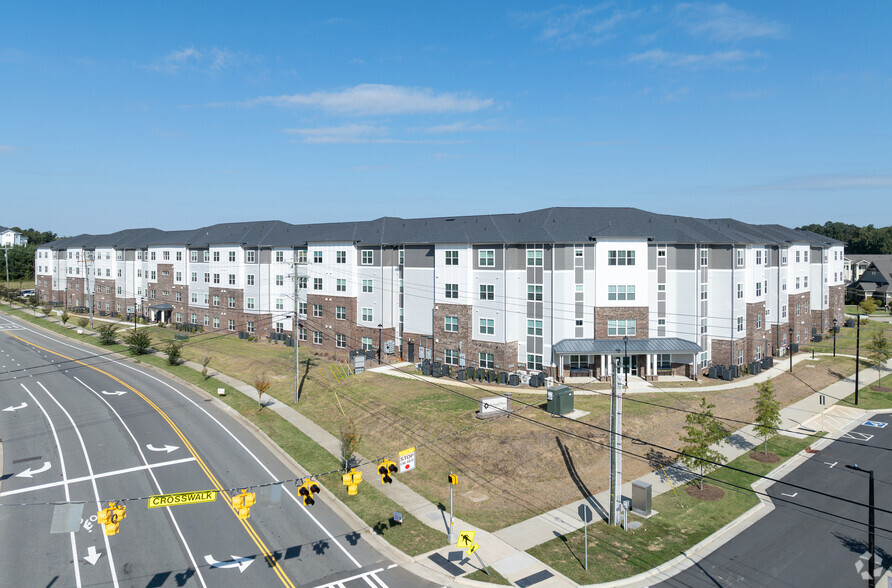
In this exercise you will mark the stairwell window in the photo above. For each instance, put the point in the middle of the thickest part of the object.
(451, 257)
(622, 257)
(451, 290)
(740, 290)
(368, 257)
(534, 257)
(620, 292)
(740, 324)
(703, 292)
(534, 293)
(534, 327)
(704, 257)
(487, 292)
(621, 327)
(487, 326)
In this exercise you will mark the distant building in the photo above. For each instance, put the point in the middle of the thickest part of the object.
(11, 238)
(874, 282)
(550, 290)
(856, 265)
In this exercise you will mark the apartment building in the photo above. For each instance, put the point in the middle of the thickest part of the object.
(555, 290)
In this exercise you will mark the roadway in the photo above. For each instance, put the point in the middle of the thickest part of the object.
(793, 546)
(81, 428)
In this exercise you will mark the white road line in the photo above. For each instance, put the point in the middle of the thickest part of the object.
(154, 479)
(77, 572)
(111, 560)
(298, 502)
(97, 476)
(378, 580)
(351, 578)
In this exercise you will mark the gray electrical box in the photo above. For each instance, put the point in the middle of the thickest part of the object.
(560, 400)
(642, 496)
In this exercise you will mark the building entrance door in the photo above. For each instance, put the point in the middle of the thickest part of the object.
(630, 365)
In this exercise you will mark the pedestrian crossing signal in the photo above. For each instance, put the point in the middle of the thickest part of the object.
(386, 469)
(243, 503)
(111, 517)
(306, 490)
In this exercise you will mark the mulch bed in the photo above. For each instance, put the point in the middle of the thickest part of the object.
(881, 389)
(765, 457)
(708, 492)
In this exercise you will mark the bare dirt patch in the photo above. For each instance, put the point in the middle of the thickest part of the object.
(881, 389)
(708, 492)
(765, 457)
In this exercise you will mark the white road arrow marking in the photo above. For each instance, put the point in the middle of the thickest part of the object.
(793, 495)
(29, 472)
(15, 408)
(167, 448)
(92, 555)
(831, 464)
(116, 393)
(241, 563)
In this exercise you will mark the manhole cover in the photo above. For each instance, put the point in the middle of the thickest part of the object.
(635, 525)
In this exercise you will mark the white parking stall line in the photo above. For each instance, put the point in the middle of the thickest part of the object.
(858, 436)
(96, 477)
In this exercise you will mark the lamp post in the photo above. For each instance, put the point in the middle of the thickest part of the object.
(857, 353)
(871, 581)
(626, 365)
(380, 331)
(791, 350)
(834, 337)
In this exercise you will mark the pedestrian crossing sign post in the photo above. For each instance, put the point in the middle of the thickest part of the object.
(465, 539)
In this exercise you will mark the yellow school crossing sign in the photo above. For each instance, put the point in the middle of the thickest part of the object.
(465, 539)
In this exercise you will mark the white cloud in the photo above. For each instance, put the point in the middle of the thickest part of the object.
(574, 26)
(378, 99)
(720, 22)
(4, 149)
(212, 60)
(676, 95)
(355, 134)
(458, 127)
(824, 182)
(658, 57)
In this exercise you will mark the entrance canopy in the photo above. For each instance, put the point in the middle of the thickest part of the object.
(641, 357)
(618, 346)
(162, 306)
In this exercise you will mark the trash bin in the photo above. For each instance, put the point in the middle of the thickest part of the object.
(503, 377)
(559, 399)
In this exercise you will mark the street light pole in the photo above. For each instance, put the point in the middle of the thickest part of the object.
(790, 346)
(834, 337)
(380, 327)
(871, 581)
(626, 365)
(857, 354)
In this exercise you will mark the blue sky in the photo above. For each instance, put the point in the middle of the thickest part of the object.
(182, 114)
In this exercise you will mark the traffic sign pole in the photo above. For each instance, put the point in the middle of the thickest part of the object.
(451, 518)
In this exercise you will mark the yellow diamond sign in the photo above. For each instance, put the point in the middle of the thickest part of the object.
(465, 539)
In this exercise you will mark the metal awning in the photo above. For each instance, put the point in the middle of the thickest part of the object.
(635, 346)
(162, 306)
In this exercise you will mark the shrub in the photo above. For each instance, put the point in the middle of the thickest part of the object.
(46, 309)
(108, 333)
(65, 317)
(205, 360)
(173, 352)
(261, 384)
(82, 322)
(138, 341)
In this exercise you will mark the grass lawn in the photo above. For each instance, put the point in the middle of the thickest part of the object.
(493, 577)
(871, 399)
(855, 309)
(846, 338)
(681, 522)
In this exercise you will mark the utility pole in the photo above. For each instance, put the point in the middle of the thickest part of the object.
(89, 289)
(616, 464)
(857, 354)
(834, 337)
(295, 334)
(6, 263)
(871, 531)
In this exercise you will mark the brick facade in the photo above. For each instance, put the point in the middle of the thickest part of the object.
(605, 313)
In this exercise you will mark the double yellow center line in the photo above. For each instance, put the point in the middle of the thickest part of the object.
(270, 558)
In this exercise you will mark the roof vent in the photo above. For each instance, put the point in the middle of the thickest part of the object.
(449, 220)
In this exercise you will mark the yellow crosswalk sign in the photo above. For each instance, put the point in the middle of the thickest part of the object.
(465, 539)
(472, 549)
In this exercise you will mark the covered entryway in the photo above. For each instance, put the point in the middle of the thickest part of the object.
(161, 313)
(647, 358)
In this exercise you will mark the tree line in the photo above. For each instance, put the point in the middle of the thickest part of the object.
(867, 240)
(21, 259)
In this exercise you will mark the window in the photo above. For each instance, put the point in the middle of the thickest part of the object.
(153, 278)
(534, 361)
(451, 357)
(231, 325)
(487, 360)
(152, 256)
(341, 285)
(534, 257)
(249, 326)
(302, 258)
(758, 257)
(487, 326)
(317, 337)
(798, 308)
(784, 311)
(758, 355)
(340, 341)
(250, 278)
(206, 298)
(451, 257)
(805, 282)
(740, 324)
(797, 257)
(487, 292)
(620, 258)
(340, 257)
(280, 327)
(367, 286)
(450, 324)
(704, 257)
(797, 283)
(302, 308)
(758, 288)
(759, 320)
(534, 327)
(250, 256)
(784, 284)
(577, 252)
(486, 258)
(341, 313)
(620, 292)
(280, 256)
(367, 257)
(302, 281)
(451, 290)
(301, 333)
(368, 315)
(207, 278)
(619, 328)
(703, 292)
(280, 280)
(193, 277)
(216, 300)
(806, 306)
(249, 302)
(704, 326)
(232, 302)
(740, 357)
(661, 287)
(402, 257)
(784, 257)
(216, 323)
(805, 256)
(216, 256)
(317, 283)
(367, 344)
(232, 279)
(740, 258)
(179, 298)
(740, 290)
(664, 361)
(280, 304)
(317, 257)
(216, 278)
(534, 293)
(317, 310)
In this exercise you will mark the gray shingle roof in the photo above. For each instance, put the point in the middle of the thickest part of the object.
(548, 225)
(635, 346)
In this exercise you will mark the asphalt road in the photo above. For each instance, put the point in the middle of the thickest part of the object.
(80, 429)
(793, 546)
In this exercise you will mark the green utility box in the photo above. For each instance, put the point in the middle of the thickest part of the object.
(560, 400)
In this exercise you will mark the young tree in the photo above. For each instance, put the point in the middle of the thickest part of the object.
(205, 360)
(65, 317)
(139, 341)
(46, 309)
(700, 433)
(350, 438)
(108, 333)
(868, 306)
(173, 352)
(767, 410)
(879, 352)
(82, 322)
(261, 384)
